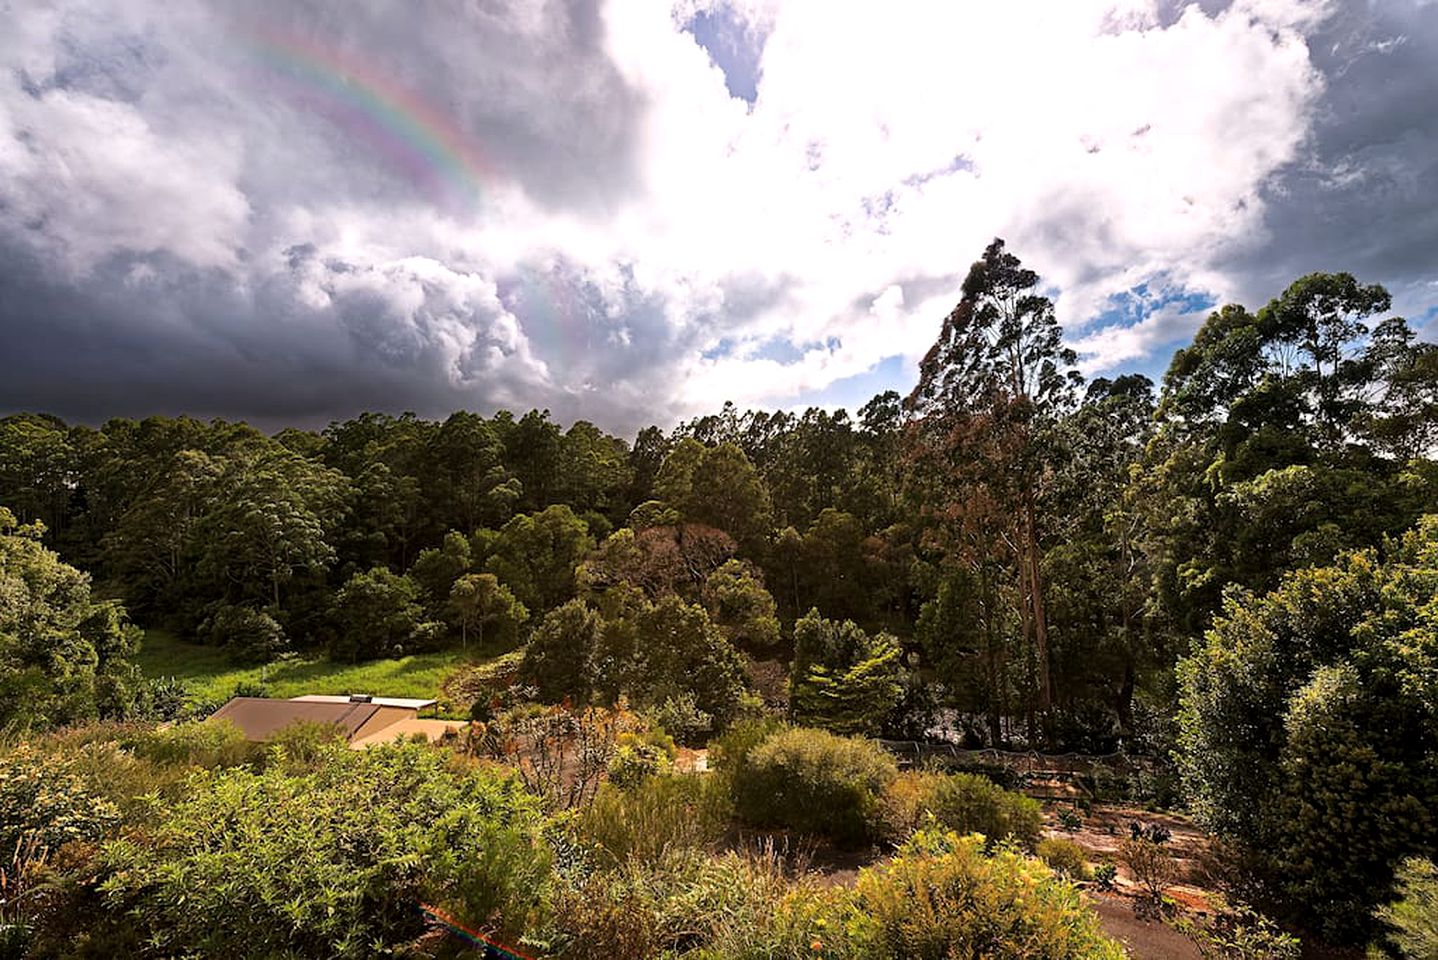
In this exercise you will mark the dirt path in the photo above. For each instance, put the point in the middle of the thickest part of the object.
(1144, 940)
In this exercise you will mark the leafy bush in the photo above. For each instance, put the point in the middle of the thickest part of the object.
(560, 658)
(687, 902)
(1412, 920)
(655, 815)
(1239, 933)
(332, 861)
(162, 698)
(637, 756)
(1065, 856)
(1330, 784)
(814, 782)
(1104, 874)
(943, 897)
(1152, 864)
(45, 799)
(303, 745)
(843, 679)
(1070, 819)
(736, 600)
(681, 717)
(203, 743)
(963, 802)
(246, 634)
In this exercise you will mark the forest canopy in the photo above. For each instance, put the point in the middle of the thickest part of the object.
(1232, 570)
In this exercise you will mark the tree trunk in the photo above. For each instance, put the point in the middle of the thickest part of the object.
(1036, 596)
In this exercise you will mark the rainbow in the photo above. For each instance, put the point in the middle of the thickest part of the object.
(420, 139)
(473, 936)
(547, 306)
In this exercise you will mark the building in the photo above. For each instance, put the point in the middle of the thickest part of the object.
(362, 720)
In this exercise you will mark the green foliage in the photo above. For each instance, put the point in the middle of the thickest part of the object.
(943, 897)
(535, 556)
(207, 743)
(376, 614)
(814, 782)
(738, 603)
(1237, 932)
(640, 755)
(64, 656)
(436, 569)
(1411, 921)
(963, 802)
(1065, 856)
(332, 861)
(560, 658)
(1330, 784)
(245, 634)
(655, 815)
(480, 601)
(843, 679)
(681, 717)
(716, 486)
(45, 798)
(680, 651)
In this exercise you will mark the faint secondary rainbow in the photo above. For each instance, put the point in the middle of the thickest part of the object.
(424, 141)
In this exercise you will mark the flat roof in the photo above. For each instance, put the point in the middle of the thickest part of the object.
(407, 703)
(260, 719)
(404, 729)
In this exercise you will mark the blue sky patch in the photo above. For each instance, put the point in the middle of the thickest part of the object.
(733, 47)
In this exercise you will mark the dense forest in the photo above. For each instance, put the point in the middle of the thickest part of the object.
(1232, 573)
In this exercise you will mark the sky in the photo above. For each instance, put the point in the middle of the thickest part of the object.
(632, 211)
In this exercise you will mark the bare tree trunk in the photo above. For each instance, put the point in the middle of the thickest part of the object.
(1036, 595)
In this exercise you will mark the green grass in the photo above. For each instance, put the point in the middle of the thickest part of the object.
(211, 676)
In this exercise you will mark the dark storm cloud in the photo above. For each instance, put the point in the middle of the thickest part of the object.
(158, 169)
(145, 335)
(1363, 196)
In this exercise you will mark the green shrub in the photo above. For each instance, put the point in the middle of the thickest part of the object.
(1065, 856)
(963, 802)
(196, 743)
(685, 902)
(45, 798)
(729, 752)
(246, 634)
(331, 862)
(655, 815)
(1070, 820)
(305, 745)
(1412, 920)
(681, 717)
(637, 757)
(1237, 932)
(1104, 874)
(162, 699)
(943, 897)
(814, 782)
(843, 679)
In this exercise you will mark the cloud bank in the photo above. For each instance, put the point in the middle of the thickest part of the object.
(629, 212)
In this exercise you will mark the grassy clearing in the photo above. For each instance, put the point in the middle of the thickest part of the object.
(211, 676)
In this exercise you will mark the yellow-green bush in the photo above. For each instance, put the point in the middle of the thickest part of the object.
(195, 743)
(963, 802)
(1065, 856)
(943, 897)
(655, 815)
(814, 782)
